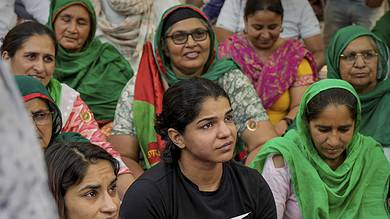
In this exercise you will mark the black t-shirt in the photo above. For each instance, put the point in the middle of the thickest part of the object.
(164, 192)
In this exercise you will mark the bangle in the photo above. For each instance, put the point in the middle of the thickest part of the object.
(288, 121)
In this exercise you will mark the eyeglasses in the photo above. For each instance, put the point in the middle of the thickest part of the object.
(351, 58)
(42, 117)
(181, 37)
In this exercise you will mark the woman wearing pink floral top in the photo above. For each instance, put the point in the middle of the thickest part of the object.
(280, 69)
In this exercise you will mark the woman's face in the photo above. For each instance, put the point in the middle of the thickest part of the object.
(188, 59)
(42, 118)
(36, 58)
(96, 196)
(362, 71)
(263, 29)
(331, 132)
(72, 27)
(211, 137)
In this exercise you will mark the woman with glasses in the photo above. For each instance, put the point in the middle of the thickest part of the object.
(184, 47)
(359, 57)
(280, 69)
(43, 110)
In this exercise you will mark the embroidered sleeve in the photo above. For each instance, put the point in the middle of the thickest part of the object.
(246, 103)
(123, 121)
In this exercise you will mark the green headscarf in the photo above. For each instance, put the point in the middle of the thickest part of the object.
(356, 189)
(31, 88)
(375, 103)
(149, 91)
(214, 67)
(98, 72)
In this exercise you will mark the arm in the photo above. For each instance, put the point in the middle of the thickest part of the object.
(123, 136)
(127, 146)
(276, 174)
(255, 139)
(304, 79)
(316, 45)
(252, 122)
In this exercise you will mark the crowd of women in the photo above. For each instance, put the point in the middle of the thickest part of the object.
(243, 128)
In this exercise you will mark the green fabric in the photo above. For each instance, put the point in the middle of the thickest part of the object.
(214, 67)
(375, 103)
(98, 72)
(70, 137)
(147, 103)
(356, 189)
(382, 29)
(31, 88)
(54, 87)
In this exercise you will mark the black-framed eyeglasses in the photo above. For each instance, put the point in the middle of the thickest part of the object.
(367, 55)
(42, 117)
(181, 37)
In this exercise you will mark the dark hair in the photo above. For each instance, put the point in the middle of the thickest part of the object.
(252, 6)
(181, 105)
(18, 35)
(67, 164)
(337, 96)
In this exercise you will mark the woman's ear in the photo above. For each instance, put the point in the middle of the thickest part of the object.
(5, 56)
(176, 137)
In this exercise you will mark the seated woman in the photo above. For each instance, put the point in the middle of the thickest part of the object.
(280, 69)
(197, 177)
(30, 49)
(359, 57)
(178, 56)
(326, 168)
(47, 119)
(83, 180)
(96, 70)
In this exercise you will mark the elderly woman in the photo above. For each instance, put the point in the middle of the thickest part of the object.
(184, 47)
(359, 57)
(83, 180)
(47, 119)
(197, 177)
(326, 168)
(96, 70)
(280, 69)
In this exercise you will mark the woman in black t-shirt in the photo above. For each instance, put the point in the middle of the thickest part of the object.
(197, 178)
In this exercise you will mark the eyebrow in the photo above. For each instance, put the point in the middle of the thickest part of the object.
(95, 187)
(40, 111)
(213, 117)
(341, 126)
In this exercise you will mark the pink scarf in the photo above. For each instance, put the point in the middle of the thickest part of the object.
(273, 78)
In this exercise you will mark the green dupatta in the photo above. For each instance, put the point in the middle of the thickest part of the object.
(375, 103)
(98, 72)
(356, 189)
(149, 90)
